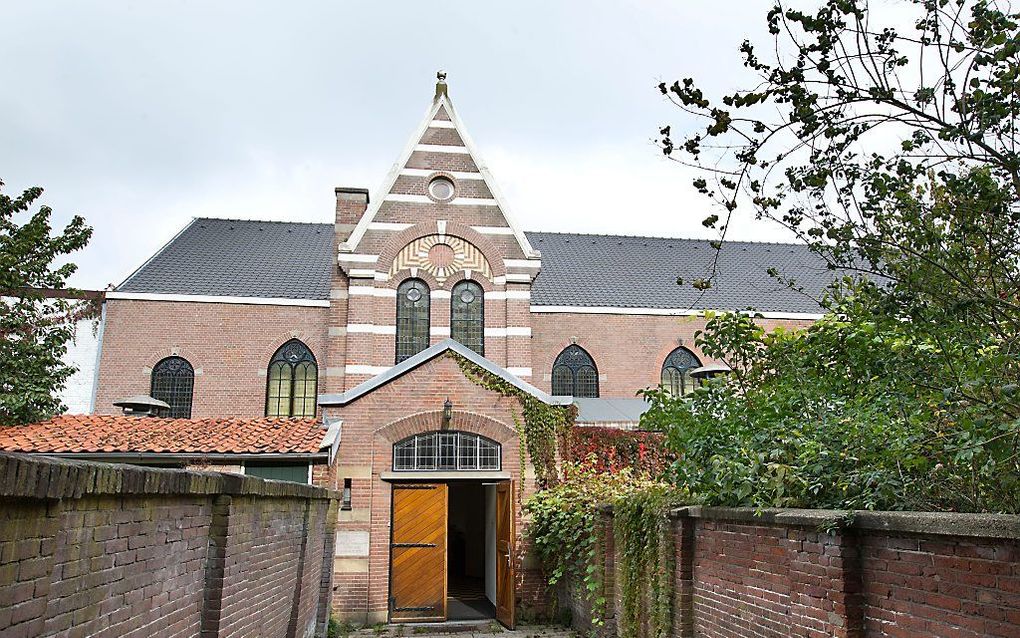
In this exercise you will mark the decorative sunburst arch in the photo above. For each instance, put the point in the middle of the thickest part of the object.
(442, 256)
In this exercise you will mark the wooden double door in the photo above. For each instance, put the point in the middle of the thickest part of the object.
(418, 552)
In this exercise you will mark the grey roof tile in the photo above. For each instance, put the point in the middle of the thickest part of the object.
(641, 272)
(241, 258)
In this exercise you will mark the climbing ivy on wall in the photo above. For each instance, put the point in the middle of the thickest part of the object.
(565, 530)
(565, 517)
(540, 427)
(613, 449)
(567, 533)
(645, 546)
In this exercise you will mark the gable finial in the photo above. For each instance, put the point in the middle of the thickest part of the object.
(440, 83)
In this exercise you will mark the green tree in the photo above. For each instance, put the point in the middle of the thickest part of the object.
(892, 153)
(34, 330)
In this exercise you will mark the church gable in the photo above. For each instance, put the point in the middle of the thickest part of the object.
(440, 178)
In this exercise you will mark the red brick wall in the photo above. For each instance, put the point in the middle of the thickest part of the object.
(105, 550)
(779, 575)
(940, 586)
(628, 349)
(229, 345)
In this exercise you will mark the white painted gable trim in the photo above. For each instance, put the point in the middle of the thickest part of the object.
(497, 194)
(387, 185)
(256, 301)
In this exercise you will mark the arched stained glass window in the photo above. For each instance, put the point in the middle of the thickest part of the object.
(173, 381)
(676, 372)
(292, 381)
(412, 318)
(574, 373)
(467, 315)
(446, 451)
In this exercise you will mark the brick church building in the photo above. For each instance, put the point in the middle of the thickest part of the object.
(357, 327)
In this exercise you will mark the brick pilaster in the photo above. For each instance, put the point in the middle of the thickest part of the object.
(683, 588)
(212, 600)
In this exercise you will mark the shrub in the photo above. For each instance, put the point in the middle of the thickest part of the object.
(613, 450)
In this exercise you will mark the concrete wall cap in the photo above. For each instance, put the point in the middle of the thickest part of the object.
(931, 523)
(43, 477)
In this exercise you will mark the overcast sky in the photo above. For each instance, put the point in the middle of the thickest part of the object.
(142, 115)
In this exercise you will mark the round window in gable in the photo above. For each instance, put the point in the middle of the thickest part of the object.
(441, 189)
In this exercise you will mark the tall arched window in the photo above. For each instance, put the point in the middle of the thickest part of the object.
(467, 315)
(292, 381)
(574, 373)
(173, 380)
(676, 372)
(412, 318)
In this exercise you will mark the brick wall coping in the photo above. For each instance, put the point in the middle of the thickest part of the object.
(32, 476)
(931, 523)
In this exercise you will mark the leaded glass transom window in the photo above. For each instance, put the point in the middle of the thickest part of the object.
(467, 315)
(292, 381)
(447, 451)
(173, 381)
(574, 374)
(676, 372)
(412, 318)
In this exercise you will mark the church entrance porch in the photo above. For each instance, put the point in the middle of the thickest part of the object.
(450, 551)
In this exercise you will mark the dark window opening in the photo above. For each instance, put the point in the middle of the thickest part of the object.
(574, 374)
(292, 381)
(293, 472)
(413, 302)
(173, 381)
(676, 372)
(467, 315)
(345, 502)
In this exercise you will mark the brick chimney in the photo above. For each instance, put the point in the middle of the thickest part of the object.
(350, 206)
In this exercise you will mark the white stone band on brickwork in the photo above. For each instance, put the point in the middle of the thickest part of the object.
(423, 172)
(353, 368)
(442, 148)
(389, 226)
(493, 230)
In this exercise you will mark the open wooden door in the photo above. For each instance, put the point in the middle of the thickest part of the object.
(418, 552)
(505, 593)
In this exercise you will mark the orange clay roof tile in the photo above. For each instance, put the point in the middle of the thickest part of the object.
(75, 433)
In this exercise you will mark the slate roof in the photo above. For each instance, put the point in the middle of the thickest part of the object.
(76, 433)
(239, 258)
(641, 272)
